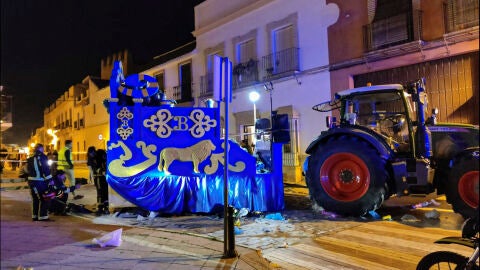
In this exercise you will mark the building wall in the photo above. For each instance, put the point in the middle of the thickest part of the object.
(312, 83)
(218, 29)
(432, 19)
(434, 45)
(345, 36)
(97, 125)
(170, 69)
(106, 64)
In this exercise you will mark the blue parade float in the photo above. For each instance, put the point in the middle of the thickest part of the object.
(171, 159)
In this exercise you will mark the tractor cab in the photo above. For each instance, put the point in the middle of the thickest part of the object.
(386, 110)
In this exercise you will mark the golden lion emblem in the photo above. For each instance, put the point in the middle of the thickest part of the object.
(196, 153)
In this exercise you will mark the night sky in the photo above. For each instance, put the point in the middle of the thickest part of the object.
(49, 45)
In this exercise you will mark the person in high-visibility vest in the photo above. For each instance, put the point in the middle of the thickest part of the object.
(65, 163)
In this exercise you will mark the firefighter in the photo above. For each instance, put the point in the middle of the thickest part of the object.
(39, 176)
(59, 203)
(101, 182)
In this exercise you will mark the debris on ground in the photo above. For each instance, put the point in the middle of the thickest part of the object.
(242, 212)
(425, 204)
(387, 218)
(126, 215)
(434, 214)
(112, 239)
(274, 216)
(141, 218)
(409, 218)
(318, 209)
(374, 214)
(152, 214)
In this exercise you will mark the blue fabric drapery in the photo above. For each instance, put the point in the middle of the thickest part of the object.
(200, 194)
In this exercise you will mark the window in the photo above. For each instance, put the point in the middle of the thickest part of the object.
(185, 74)
(245, 51)
(393, 24)
(245, 70)
(94, 109)
(160, 77)
(78, 151)
(283, 44)
(210, 61)
(206, 81)
(283, 38)
(461, 14)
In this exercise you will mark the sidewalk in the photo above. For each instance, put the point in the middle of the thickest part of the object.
(67, 242)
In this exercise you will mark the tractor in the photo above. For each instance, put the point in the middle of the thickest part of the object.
(383, 146)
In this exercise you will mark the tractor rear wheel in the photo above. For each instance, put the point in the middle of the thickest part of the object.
(347, 176)
(462, 186)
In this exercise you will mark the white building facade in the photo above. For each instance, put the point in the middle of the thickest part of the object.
(277, 47)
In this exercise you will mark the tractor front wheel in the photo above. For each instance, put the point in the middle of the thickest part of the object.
(347, 176)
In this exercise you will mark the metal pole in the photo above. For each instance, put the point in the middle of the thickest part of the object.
(229, 240)
(271, 125)
(254, 140)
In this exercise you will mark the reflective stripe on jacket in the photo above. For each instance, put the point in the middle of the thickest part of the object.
(38, 168)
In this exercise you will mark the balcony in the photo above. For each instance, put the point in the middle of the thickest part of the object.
(245, 74)
(280, 64)
(461, 15)
(392, 31)
(273, 66)
(206, 85)
(179, 93)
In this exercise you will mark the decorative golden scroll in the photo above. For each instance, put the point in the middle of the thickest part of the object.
(117, 167)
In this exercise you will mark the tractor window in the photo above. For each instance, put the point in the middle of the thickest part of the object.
(384, 113)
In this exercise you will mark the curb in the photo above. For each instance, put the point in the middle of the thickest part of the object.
(12, 180)
(13, 188)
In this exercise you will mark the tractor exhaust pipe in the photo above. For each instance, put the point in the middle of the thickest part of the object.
(422, 134)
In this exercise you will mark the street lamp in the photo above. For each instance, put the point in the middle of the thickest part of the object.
(254, 97)
(102, 140)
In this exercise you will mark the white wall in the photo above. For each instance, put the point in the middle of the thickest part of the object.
(313, 18)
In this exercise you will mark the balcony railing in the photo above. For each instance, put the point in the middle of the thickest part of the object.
(291, 159)
(280, 63)
(206, 85)
(179, 93)
(245, 74)
(461, 15)
(391, 31)
(272, 66)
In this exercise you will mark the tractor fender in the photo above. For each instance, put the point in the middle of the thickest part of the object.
(457, 240)
(370, 137)
(469, 153)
